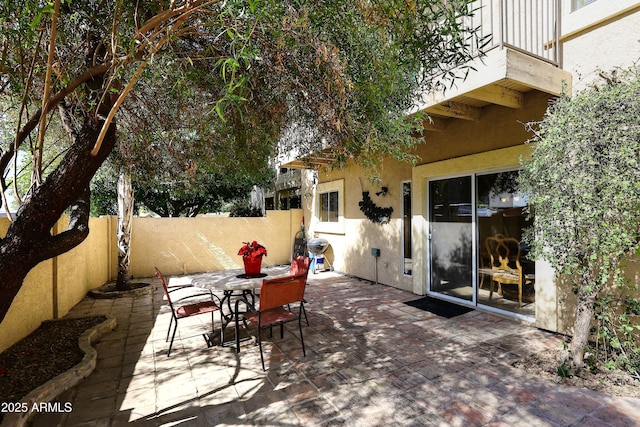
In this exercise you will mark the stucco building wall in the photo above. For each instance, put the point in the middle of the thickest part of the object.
(599, 37)
(350, 251)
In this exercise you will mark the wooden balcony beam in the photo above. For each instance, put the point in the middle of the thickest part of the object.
(456, 110)
(500, 95)
(434, 124)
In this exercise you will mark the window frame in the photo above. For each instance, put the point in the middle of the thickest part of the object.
(337, 226)
(407, 221)
(579, 4)
(331, 212)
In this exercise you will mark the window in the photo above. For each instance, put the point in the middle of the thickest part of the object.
(329, 206)
(269, 203)
(406, 228)
(295, 202)
(577, 4)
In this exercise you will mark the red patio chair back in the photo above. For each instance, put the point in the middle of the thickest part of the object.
(202, 306)
(275, 297)
(281, 291)
(300, 265)
(164, 285)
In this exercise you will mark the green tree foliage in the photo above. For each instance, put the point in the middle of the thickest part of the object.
(183, 158)
(305, 74)
(584, 186)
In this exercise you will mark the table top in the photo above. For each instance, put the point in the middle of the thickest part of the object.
(234, 280)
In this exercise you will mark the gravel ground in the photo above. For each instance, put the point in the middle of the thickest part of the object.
(49, 351)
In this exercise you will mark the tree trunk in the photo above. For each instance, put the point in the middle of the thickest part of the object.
(29, 240)
(584, 316)
(257, 199)
(125, 218)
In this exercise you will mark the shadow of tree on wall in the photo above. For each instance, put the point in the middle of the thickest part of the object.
(363, 236)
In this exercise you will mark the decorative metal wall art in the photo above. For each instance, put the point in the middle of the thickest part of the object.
(372, 211)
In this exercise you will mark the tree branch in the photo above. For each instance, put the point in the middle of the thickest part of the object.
(78, 228)
(37, 166)
(52, 103)
(184, 13)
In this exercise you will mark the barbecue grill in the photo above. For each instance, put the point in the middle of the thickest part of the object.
(317, 247)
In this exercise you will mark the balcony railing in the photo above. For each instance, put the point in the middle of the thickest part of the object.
(530, 26)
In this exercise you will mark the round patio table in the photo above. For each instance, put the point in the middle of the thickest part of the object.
(234, 284)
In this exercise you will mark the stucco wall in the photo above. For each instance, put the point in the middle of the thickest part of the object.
(54, 286)
(85, 267)
(192, 245)
(498, 127)
(175, 245)
(495, 142)
(600, 36)
(567, 300)
(350, 249)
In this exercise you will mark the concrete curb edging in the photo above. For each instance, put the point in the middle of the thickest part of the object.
(107, 291)
(61, 383)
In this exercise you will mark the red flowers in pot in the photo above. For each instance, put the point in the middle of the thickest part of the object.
(252, 254)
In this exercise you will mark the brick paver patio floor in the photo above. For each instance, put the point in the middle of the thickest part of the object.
(371, 361)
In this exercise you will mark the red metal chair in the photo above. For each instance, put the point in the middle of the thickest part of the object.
(275, 297)
(188, 310)
(300, 265)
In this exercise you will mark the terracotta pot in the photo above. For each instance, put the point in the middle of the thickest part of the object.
(252, 265)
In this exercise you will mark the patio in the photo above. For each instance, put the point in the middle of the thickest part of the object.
(371, 360)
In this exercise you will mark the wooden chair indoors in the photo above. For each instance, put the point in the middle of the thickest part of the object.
(504, 254)
(194, 308)
(276, 295)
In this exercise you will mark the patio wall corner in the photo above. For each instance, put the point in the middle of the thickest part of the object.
(54, 286)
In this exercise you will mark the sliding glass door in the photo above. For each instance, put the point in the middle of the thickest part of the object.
(506, 276)
(475, 247)
(451, 237)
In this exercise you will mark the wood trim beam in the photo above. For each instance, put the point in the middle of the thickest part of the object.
(434, 124)
(455, 110)
(500, 95)
(309, 162)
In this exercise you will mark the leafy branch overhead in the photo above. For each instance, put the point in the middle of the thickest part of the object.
(80, 77)
(584, 185)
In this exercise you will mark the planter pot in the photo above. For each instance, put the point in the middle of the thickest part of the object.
(252, 265)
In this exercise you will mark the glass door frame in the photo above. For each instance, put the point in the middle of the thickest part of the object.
(407, 222)
(474, 302)
(474, 238)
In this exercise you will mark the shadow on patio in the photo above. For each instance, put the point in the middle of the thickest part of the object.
(371, 360)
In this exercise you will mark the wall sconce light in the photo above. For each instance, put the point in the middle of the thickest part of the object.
(383, 191)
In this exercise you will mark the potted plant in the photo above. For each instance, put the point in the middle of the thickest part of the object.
(252, 253)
